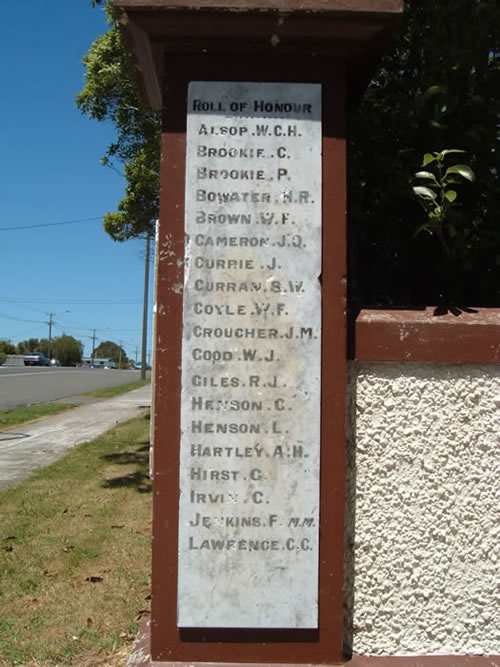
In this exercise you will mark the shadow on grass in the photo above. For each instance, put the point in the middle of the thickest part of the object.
(139, 479)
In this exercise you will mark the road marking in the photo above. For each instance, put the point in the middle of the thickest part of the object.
(18, 375)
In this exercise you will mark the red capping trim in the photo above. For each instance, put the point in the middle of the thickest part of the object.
(424, 661)
(140, 657)
(422, 335)
(323, 6)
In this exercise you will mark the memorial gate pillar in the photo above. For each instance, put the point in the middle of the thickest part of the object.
(250, 340)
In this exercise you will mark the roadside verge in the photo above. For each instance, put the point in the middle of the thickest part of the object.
(37, 444)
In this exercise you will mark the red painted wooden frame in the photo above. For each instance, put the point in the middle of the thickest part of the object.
(426, 335)
(325, 644)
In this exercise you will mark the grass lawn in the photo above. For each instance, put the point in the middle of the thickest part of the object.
(109, 392)
(23, 414)
(75, 554)
(29, 412)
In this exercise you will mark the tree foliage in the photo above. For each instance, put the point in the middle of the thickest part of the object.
(6, 347)
(437, 88)
(109, 350)
(436, 190)
(110, 94)
(33, 345)
(65, 348)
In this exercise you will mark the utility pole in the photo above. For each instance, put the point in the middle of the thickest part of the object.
(120, 356)
(50, 323)
(93, 345)
(145, 309)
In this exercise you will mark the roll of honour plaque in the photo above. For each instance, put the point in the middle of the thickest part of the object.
(250, 405)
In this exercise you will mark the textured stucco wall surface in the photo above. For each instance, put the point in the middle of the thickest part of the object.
(422, 522)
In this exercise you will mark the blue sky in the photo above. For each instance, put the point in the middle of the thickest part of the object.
(50, 173)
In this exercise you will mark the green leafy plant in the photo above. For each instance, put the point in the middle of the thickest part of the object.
(436, 191)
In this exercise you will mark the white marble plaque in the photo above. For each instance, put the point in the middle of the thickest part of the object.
(251, 357)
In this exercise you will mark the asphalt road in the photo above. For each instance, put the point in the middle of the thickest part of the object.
(28, 385)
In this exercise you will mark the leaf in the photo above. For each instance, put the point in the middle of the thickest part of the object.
(450, 150)
(428, 158)
(451, 179)
(436, 212)
(450, 195)
(463, 170)
(426, 174)
(50, 573)
(435, 90)
(423, 192)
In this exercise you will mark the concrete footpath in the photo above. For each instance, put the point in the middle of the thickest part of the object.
(34, 445)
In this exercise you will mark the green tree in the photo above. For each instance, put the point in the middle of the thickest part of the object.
(111, 94)
(437, 88)
(27, 346)
(67, 350)
(6, 348)
(33, 345)
(43, 346)
(109, 350)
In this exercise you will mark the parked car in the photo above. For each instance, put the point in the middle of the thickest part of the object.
(36, 359)
(98, 362)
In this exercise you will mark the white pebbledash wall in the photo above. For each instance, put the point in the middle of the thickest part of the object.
(422, 518)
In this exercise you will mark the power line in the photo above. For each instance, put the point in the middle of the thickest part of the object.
(77, 302)
(20, 336)
(49, 224)
(64, 327)
(20, 319)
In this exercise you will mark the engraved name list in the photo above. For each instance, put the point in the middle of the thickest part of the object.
(251, 354)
